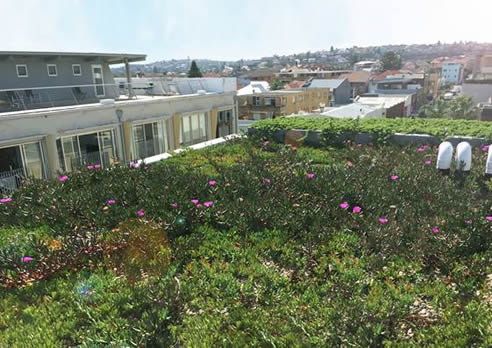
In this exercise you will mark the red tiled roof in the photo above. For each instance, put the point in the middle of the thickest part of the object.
(386, 73)
(295, 84)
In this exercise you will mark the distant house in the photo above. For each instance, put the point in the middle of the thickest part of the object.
(295, 84)
(306, 74)
(340, 89)
(401, 83)
(271, 104)
(394, 106)
(480, 91)
(254, 87)
(356, 110)
(359, 82)
(481, 67)
(452, 73)
(366, 65)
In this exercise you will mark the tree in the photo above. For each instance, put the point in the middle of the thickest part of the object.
(391, 61)
(462, 107)
(194, 71)
(276, 85)
(354, 58)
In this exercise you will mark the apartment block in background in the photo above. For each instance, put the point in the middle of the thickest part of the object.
(272, 104)
(452, 73)
(63, 111)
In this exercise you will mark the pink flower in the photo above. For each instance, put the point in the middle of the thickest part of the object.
(212, 182)
(265, 143)
(5, 200)
(133, 165)
(174, 205)
(311, 176)
(428, 162)
(485, 148)
(468, 222)
(435, 229)
(344, 205)
(394, 177)
(356, 209)
(27, 259)
(90, 167)
(488, 218)
(267, 181)
(198, 205)
(383, 220)
(194, 201)
(208, 204)
(111, 201)
(140, 213)
(350, 164)
(97, 166)
(63, 178)
(421, 149)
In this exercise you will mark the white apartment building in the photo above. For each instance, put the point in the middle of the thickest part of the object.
(41, 139)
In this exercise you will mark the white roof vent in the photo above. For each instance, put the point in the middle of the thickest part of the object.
(463, 156)
(488, 169)
(445, 155)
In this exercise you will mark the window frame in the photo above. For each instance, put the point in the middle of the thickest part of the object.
(48, 69)
(17, 70)
(80, 69)
(189, 120)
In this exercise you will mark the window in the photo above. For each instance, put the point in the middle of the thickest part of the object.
(269, 101)
(80, 150)
(149, 139)
(193, 129)
(76, 69)
(256, 101)
(21, 70)
(52, 70)
(33, 159)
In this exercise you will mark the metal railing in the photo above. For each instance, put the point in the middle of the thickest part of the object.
(17, 99)
(11, 180)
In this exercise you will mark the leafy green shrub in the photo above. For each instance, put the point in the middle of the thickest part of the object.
(379, 127)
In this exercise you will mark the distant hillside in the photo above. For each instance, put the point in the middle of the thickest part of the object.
(333, 57)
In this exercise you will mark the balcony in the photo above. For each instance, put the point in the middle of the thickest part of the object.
(21, 99)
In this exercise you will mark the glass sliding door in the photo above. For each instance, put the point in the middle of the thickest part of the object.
(96, 148)
(33, 160)
(107, 148)
(194, 129)
(149, 139)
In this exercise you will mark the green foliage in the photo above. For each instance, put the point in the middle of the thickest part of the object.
(276, 85)
(194, 70)
(382, 127)
(145, 249)
(272, 262)
(390, 61)
(462, 107)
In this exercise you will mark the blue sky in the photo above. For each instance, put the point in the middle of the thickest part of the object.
(233, 29)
